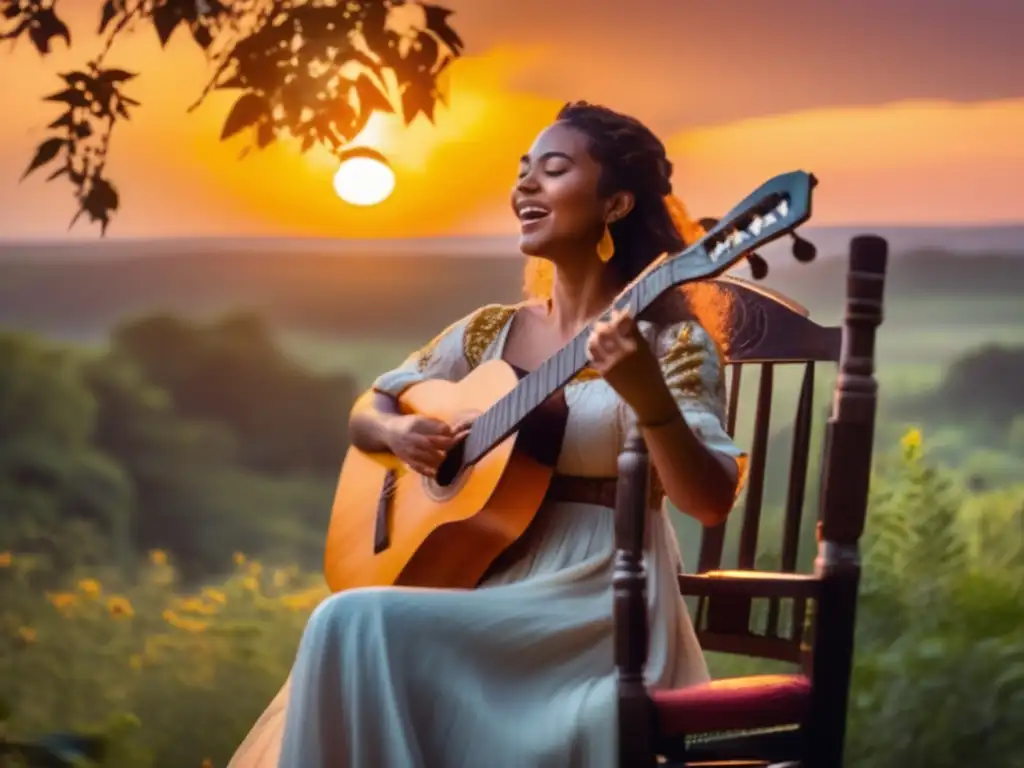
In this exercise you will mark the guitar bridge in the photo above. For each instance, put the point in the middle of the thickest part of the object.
(381, 535)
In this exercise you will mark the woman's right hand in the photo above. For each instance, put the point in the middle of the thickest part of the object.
(422, 442)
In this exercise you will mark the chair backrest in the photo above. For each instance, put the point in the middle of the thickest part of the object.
(761, 332)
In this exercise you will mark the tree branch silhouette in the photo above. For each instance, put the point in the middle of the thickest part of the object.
(310, 70)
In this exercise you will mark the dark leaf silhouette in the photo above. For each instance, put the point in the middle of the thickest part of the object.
(202, 35)
(110, 10)
(247, 110)
(265, 134)
(78, 80)
(44, 27)
(116, 76)
(64, 121)
(45, 153)
(71, 96)
(286, 57)
(371, 98)
(166, 18)
(416, 101)
(101, 200)
(437, 22)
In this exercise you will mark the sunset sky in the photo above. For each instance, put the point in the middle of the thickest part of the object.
(908, 111)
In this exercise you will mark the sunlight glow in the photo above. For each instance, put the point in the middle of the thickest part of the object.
(364, 177)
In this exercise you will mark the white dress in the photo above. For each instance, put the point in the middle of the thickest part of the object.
(518, 673)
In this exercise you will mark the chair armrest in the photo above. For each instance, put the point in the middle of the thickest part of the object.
(749, 584)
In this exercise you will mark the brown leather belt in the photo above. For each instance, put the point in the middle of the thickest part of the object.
(595, 490)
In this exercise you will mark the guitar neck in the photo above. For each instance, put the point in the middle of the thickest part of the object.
(504, 417)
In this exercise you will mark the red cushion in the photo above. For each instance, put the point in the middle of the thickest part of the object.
(733, 704)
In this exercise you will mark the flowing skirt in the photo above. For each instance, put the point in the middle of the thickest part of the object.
(516, 674)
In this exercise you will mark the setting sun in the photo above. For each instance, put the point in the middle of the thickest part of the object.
(364, 177)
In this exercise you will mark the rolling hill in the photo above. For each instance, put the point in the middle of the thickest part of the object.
(400, 290)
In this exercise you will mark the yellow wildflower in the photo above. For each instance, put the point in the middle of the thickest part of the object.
(239, 558)
(120, 606)
(90, 587)
(196, 605)
(6, 559)
(251, 583)
(135, 661)
(183, 622)
(215, 594)
(27, 635)
(302, 601)
(192, 625)
(61, 600)
(157, 557)
(911, 440)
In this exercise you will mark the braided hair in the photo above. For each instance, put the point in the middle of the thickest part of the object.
(634, 160)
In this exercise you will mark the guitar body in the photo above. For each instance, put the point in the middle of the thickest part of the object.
(391, 526)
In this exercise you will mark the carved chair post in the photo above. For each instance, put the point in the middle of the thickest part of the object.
(843, 506)
(636, 717)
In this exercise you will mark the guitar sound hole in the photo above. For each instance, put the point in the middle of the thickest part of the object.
(452, 465)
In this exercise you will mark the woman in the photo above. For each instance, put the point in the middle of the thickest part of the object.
(519, 673)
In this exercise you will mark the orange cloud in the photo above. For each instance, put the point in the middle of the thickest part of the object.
(924, 161)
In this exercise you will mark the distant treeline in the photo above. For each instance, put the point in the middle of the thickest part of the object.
(197, 439)
(398, 296)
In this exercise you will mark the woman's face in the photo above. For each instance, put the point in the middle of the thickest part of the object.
(556, 195)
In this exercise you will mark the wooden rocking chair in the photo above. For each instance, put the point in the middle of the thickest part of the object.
(793, 719)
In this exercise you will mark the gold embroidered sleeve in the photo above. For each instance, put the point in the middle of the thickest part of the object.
(694, 370)
(482, 330)
(692, 367)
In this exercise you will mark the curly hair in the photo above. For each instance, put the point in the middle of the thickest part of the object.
(634, 160)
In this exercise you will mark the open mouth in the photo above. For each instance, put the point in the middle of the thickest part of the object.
(529, 214)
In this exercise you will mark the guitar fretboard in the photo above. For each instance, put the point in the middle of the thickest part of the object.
(501, 419)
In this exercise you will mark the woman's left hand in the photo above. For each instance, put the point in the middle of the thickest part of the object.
(622, 356)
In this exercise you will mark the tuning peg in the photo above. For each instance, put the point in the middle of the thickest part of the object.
(758, 266)
(803, 250)
(708, 223)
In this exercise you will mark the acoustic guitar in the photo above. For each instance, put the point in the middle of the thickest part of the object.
(391, 526)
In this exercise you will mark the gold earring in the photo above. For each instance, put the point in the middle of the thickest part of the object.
(606, 246)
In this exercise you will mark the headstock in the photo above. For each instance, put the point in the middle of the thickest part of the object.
(774, 210)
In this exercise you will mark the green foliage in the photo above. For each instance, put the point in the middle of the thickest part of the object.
(939, 669)
(100, 462)
(939, 677)
(979, 386)
(59, 493)
(231, 372)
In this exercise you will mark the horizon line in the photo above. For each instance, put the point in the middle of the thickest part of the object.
(81, 240)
